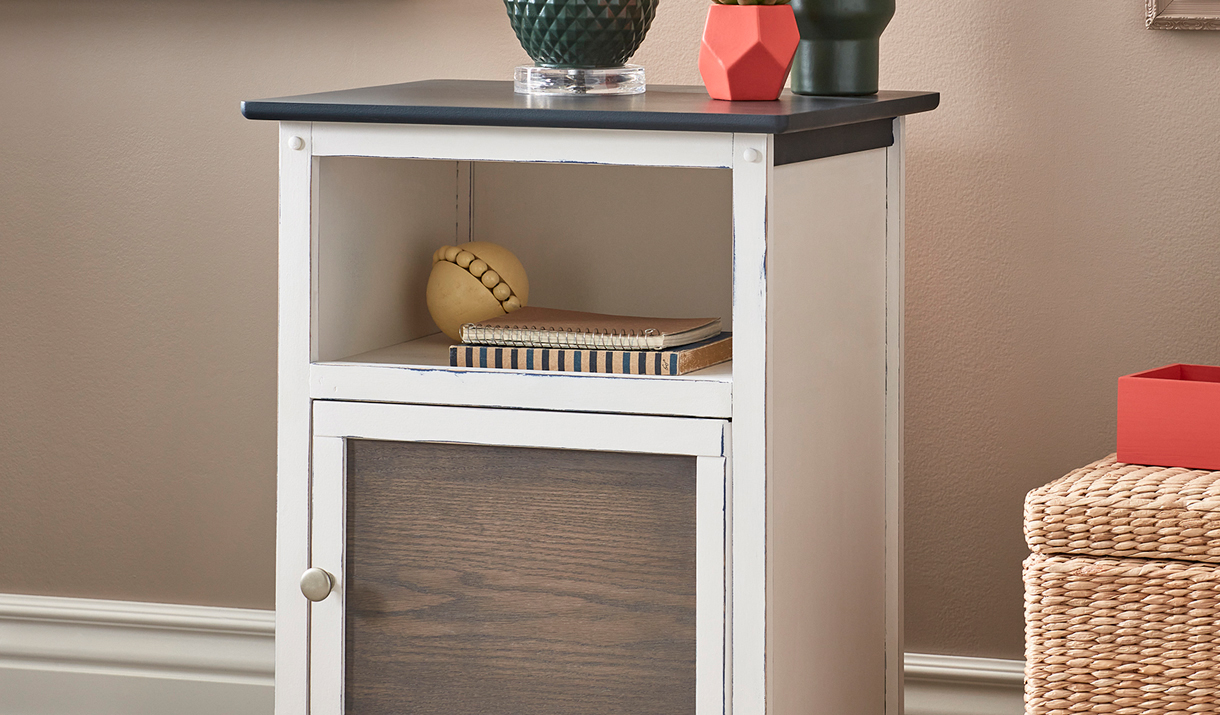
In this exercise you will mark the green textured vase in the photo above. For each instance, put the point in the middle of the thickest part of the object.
(840, 45)
(581, 33)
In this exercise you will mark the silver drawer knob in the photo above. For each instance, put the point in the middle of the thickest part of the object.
(316, 584)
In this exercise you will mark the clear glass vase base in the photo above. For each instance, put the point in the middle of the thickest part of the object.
(628, 79)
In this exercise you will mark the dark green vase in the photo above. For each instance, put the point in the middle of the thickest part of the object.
(580, 33)
(840, 45)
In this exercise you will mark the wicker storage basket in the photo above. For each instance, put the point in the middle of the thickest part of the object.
(1131, 635)
(1120, 636)
(1127, 510)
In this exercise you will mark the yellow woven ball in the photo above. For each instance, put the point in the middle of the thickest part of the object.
(458, 290)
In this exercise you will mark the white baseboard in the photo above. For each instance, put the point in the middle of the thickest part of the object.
(80, 656)
(960, 685)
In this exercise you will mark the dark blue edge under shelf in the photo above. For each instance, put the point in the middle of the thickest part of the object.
(662, 107)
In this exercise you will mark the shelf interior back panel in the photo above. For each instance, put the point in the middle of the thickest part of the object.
(512, 580)
(627, 240)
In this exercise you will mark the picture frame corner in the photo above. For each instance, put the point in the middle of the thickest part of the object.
(1182, 14)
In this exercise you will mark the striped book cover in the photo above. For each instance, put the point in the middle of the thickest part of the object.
(677, 361)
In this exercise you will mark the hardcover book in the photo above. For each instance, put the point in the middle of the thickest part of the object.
(677, 361)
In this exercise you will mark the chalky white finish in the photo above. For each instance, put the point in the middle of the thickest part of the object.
(292, 504)
(377, 373)
(326, 652)
(748, 496)
(525, 144)
(521, 428)
(826, 435)
(418, 371)
(895, 427)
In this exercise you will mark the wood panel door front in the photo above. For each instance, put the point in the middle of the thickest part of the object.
(546, 563)
(512, 580)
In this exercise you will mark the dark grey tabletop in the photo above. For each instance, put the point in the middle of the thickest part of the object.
(662, 107)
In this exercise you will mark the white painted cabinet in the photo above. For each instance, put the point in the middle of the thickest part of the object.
(787, 597)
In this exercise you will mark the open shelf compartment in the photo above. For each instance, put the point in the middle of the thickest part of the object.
(650, 241)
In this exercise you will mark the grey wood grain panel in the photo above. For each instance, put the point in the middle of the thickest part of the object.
(507, 580)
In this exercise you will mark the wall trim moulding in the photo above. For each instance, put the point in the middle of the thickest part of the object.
(961, 685)
(65, 656)
(116, 657)
(1183, 14)
(159, 640)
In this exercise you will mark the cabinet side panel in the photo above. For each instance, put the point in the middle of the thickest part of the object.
(826, 380)
(378, 223)
(894, 431)
(512, 580)
(292, 455)
(614, 239)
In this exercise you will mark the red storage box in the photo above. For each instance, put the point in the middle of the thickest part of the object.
(1170, 417)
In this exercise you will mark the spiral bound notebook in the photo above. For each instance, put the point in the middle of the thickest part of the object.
(677, 361)
(533, 327)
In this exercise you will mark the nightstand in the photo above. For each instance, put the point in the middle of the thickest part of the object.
(509, 541)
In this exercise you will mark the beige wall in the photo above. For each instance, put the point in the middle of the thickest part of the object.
(1062, 231)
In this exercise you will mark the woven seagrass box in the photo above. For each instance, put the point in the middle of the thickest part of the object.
(1122, 592)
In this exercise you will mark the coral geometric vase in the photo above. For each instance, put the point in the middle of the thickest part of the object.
(747, 50)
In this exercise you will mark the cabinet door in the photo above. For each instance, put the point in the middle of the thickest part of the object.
(491, 561)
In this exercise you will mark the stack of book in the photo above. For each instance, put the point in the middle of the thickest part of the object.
(570, 341)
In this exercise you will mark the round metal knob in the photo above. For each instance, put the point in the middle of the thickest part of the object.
(316, 584)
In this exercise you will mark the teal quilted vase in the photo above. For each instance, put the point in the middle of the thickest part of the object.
(580, 33)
